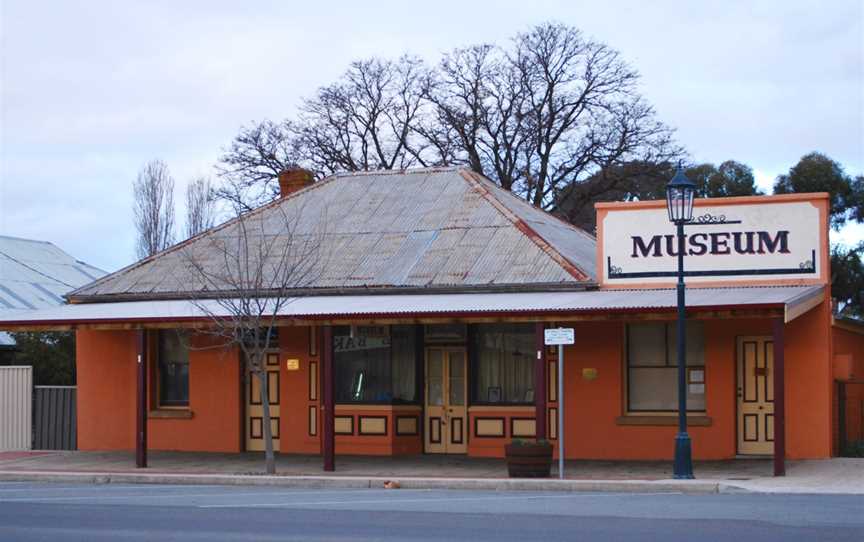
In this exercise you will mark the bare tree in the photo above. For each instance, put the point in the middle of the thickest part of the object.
(365, 120)
(243, 275)
(547, 111)
(250, 167)
(200, 206)
(153, 208)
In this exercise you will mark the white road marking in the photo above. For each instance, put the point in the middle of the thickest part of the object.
(446, 499)
(173, 495)
(100, 487)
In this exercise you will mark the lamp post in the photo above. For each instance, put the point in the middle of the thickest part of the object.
(679, 204)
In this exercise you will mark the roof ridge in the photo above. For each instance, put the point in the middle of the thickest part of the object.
(135, 265)
(403, 171)
(477, 183)
(513, 196)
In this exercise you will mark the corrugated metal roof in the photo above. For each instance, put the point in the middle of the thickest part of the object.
(443, 305)
(425, 228)
(36, 275)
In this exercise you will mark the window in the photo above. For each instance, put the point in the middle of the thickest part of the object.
(375, 364)
(503, 357)
(173, 367)
(652, 373)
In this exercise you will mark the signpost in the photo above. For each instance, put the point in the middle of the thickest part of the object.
(560, 336)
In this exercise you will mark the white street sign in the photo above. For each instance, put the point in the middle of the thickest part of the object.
(559, 335)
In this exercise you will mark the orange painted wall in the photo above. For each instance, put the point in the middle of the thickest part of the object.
(592, 406)
(809, 388)
(214, 399)
(106, 370)
(389, 444)
(493, 446)
(295, 393)
(106, 399)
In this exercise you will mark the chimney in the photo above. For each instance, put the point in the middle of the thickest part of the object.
(293, 179)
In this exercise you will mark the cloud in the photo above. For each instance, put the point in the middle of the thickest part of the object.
(92, 90)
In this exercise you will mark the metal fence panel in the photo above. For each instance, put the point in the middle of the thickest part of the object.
(16, 415)
(54, 418)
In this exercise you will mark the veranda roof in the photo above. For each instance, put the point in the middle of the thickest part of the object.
(786, 301)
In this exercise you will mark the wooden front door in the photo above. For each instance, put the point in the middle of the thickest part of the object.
(446, 416)
(255, 409)
(755, 396)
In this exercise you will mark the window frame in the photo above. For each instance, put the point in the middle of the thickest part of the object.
(628, 411)
(419, 370)
(157, 372)
(474, 371)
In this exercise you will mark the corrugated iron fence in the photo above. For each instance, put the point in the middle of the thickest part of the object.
(16, 422)
(40, 418)
(54, 418)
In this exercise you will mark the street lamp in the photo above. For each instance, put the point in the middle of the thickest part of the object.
(679, 204)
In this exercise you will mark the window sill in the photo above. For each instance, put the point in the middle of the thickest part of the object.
(179, 413)
(696, 421)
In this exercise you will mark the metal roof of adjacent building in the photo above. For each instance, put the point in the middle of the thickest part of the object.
(792, 300)
(36, 275)
(437, 228)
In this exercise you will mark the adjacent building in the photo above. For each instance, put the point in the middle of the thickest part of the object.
(36, 275)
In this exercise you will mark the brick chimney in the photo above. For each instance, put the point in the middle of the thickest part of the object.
(293, 179)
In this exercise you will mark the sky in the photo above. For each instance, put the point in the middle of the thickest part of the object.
(90, 91)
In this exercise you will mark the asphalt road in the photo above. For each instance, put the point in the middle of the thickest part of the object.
(59, 512)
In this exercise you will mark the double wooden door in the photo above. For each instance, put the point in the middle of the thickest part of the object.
(255, 407)
(755, 396)
(446, 413)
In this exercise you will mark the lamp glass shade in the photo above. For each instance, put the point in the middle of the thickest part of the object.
(679, 198)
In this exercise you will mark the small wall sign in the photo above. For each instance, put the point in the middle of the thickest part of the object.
(589, 373)
(559, 335)
(292, 364)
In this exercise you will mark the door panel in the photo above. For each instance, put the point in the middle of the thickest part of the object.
(255, 409)
(755, 395)
(446, 412)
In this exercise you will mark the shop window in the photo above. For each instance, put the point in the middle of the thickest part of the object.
(652, 368)
(375, 364)
(503, 364)
(173, 369)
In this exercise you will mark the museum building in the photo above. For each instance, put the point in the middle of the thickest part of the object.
(416, 318)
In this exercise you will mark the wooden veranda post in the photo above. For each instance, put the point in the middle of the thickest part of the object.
(141, 403)
(779, 399)
(540, 382)
(329, 441)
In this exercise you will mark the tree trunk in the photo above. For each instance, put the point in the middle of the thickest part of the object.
(269, 459)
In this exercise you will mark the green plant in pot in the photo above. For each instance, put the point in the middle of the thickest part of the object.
(529, 458)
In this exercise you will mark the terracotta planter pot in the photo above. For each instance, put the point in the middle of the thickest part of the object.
(529, 460)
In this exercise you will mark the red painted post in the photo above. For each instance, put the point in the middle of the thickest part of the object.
(779, 399)
(540, 381)
(141, 410)
(329, 441)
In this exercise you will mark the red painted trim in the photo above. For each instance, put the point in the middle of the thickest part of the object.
(141, 403)
(418, 314)
(523, 226)
(328, 408)
(540, 366)
(779, 398)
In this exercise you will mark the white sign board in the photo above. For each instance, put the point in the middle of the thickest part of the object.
(775, 240)
(559, 335)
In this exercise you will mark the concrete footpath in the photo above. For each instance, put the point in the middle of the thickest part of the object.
(833, 476)
(360, 482)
